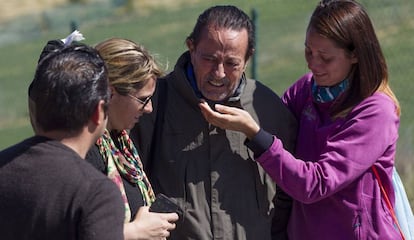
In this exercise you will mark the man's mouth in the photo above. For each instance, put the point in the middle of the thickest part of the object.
(216, 83)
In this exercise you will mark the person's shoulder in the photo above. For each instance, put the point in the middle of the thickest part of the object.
(90, 178)
(264, 100)
(378, 105)
(378, 100)
(303, 81)
(88, 171)
(67, 164)
(94, 186)
(94, 157)
(21, 149)
(261, 97)
(14, 149)
(299, 91)
(258, 88)
(83, 176)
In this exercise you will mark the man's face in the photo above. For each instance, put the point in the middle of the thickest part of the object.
(219, 60)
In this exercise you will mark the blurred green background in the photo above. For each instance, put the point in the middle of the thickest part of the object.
(162, 26)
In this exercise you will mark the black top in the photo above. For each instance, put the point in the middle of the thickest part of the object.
(49, 192)
(132, 191)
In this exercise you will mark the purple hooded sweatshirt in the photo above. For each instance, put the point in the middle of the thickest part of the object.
(336, 195)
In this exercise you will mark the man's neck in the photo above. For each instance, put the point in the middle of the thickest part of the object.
(80, 142)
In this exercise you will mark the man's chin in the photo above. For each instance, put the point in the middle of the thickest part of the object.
(215, 97)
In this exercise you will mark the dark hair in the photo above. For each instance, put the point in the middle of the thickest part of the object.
(227, 17)
(68, 84)
(347, 24)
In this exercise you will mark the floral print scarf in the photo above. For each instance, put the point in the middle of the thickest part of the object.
(125, 162)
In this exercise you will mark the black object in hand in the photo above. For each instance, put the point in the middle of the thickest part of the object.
(164, 204)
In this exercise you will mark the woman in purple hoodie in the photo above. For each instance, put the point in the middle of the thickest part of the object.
(349, 119)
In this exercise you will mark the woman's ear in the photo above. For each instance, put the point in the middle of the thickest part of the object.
(113, 91)
(354, 58)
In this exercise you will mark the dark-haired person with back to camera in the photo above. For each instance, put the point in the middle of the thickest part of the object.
(48, 190)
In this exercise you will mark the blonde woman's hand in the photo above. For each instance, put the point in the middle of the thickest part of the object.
(230, 118)
(149, 225)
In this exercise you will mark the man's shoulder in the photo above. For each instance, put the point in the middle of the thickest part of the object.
(18, 148)
(21, 150)
(258, 92)
(268, 109)
(55, 159)
(78, 175)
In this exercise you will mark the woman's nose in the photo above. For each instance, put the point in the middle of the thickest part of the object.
(148, 108)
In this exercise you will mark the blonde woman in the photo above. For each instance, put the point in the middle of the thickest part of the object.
(132, 74)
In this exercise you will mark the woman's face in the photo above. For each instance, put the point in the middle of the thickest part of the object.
(328, 63)
(125, 111)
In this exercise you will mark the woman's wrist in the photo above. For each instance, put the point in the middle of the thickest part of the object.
(252, 130)
(260, 142)
(130, 231)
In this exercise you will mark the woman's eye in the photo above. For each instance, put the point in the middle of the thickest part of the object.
(326, 59)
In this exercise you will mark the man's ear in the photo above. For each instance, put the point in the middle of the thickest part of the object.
(190, 45)
(248, 56)
(99, 115)
(250, 53)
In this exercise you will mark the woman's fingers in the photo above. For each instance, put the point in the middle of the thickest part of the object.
(231, 118)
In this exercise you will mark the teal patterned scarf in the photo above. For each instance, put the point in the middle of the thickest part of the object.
(328, 94)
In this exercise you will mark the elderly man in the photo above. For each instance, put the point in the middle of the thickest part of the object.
(207, 170)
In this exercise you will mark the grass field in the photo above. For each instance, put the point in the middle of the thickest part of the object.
(163, 27)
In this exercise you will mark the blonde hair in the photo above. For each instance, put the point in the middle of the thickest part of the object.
(129, 64)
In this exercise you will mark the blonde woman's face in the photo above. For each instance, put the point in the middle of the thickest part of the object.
(124, 111)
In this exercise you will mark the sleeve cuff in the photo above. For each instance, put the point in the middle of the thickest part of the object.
(260, 142)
